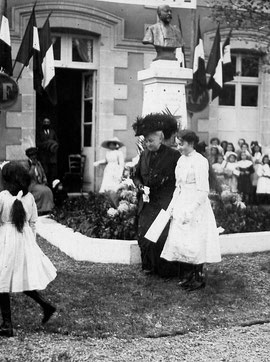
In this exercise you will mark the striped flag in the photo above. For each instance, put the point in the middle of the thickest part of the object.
(30, 39)
(214, 67)
(37, 68)
(29, 48)
(5, 44)
(48, 83)
(228, 70)
(199, 75)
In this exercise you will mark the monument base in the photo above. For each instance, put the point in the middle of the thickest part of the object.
(164, 88)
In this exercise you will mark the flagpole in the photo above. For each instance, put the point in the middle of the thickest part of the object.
(2, 7)
(20, 72)
(192, 35)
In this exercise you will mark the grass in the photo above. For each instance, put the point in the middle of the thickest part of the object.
(104, 300)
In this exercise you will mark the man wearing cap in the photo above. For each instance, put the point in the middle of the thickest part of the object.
(155, 179)
(47, 143)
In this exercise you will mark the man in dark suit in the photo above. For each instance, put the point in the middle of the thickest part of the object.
(47, 143)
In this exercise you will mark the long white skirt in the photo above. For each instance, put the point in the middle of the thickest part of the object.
(263, 185)
(111, 177)
(197, 241)
(23, 265)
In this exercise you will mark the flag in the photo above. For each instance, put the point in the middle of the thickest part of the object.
(199, 75)
(37, 68)
(214, 67)
(227, 68)
(181, 52)
(5, 44)
(25, 52)
(29, 48)
(48, 82)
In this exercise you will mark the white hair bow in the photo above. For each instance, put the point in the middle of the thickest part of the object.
(19, 195)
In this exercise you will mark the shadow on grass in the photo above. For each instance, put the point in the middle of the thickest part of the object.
(101, 300)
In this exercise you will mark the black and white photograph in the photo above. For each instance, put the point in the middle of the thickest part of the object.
(135, 180)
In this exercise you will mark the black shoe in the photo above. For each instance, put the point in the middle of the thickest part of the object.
(148, 271)
(196, 285)
(184, 282)
(48, 312)
(6, 331)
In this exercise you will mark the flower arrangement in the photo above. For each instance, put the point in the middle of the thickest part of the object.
(95, 216)
(127, 201)
(232, 199)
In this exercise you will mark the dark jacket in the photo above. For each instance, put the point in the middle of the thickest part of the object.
(157, 171)
(47, 145)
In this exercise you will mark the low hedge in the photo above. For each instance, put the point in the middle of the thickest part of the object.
(89, 215)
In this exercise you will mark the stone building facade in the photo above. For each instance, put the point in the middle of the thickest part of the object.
(98, 52)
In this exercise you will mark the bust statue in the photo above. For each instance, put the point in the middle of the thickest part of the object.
(165, 37)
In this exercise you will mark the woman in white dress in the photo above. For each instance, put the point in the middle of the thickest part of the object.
(193, 235)
(114, 160)
(23, 265)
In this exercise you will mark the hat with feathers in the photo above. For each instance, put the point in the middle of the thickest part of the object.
(154, 122)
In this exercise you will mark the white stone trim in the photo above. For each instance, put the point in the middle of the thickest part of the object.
(81, 247)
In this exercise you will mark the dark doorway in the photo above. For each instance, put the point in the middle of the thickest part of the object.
(65, 116)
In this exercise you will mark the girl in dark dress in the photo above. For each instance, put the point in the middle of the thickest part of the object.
(246, 169)
(155, 179)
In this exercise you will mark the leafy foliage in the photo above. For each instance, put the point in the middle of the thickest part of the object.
(246, 15)
(88, 215)
(93, 216)
(242, 13)
(236, 219)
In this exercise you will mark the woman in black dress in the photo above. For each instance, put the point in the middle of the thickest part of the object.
(155, 179)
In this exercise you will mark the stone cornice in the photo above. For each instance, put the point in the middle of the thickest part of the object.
(83, 17)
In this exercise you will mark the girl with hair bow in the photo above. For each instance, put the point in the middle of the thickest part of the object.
(23, 266)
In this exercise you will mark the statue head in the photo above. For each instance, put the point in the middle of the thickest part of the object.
(165, 13)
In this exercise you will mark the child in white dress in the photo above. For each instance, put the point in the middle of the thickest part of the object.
(231, 172)
(218, 168)
(23, 266)
(263, 185)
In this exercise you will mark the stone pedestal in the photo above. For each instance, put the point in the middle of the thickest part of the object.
(164, 87)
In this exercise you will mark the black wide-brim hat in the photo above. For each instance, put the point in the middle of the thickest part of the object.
(31, 151)
(154, 122)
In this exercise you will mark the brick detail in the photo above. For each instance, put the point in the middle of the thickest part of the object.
(132, 106)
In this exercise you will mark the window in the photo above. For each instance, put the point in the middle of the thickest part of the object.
(88, 110)
(56, 40)
(75, 51)
(249, 96)
(244, 89)
(227, 98)
(250, 66)
(82, 50)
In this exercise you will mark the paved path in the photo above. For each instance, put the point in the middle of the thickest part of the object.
(236, 344)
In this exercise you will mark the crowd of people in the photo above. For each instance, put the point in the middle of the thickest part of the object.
(173, 172)
(243, 169)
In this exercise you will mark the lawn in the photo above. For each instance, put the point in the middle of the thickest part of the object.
(105, 300)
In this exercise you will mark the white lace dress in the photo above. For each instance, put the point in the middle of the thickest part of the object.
(193, 235)
(23, 265)
(113, 171)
